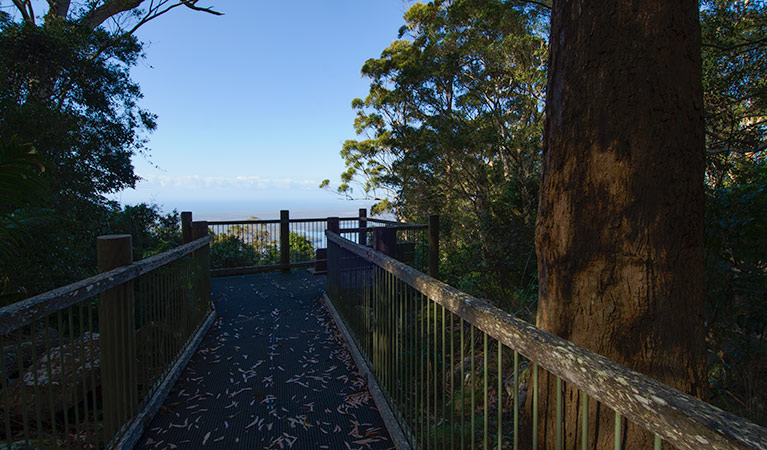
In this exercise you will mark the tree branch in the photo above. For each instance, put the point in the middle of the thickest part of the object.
(543, 4)
(192, 4)
(25, 8)
(58, 8)
(99, 15)
(742, 151)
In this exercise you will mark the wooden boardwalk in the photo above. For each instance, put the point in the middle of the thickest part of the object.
(272, 372)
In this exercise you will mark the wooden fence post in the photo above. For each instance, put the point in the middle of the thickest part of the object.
(186, 226)
(333, 225)
(333, 259)
(285, 240)
(363, 239)
(434, 245)
(200, 230)
(385, 240)
(117, 327)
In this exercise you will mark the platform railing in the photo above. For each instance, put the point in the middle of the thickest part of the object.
(83, 366)
(457, 371)
(241, 247)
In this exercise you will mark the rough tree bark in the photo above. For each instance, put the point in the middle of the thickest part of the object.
(620, 225)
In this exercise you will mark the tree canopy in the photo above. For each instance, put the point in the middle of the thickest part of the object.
(452, 123)
(66, 91)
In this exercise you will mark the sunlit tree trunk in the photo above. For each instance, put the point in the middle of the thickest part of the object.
(620, 225)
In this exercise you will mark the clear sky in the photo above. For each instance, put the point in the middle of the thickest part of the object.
(254, 105)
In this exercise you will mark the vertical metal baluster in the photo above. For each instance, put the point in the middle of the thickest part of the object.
(48, 370)
(405, 356)
(500, 397)
(535, 405)
(485, 408)
(389, 338)
(436, 373)
(83, 356)
(378, 323)
(384, 331)
(617, 437)
(419, 391)
(24, 402)
(559, 414)
(452, 381)
(38, 413)
(72, 351)
(444, 382)
(97, 436)
(427, 374)
(585, 422)
(153, 280)
(395, 348)
(6, 412)
(463, 395)
(373, 319)
(64, 384)
(473, 388)
(516, 400)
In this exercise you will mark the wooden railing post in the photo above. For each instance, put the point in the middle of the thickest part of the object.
(334, 225)
(200, 230)
(332, 258)
(285, 240)
(385, 240)
(186, 227)
(117, 328)
(434, 245)
(363, 238)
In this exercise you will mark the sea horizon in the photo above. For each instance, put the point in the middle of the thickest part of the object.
(212, 210)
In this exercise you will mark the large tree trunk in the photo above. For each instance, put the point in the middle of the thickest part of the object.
(620, 226)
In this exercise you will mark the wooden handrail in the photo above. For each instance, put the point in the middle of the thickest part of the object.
(680, 419)
(372, 229)
(268, 221)
(20, 314)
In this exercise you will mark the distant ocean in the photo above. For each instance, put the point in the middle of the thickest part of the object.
(234, 210)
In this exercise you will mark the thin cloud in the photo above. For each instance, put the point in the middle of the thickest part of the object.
(193, 182)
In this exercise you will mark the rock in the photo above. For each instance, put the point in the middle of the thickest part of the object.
(30, 347)
(68, 365)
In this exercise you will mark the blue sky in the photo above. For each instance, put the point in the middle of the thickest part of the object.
(254, 105)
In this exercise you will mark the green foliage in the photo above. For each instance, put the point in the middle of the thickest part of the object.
(152, 231)
(232, 251)
(735, 92)
(301, 248)
(735, 88)
(22, 192)
(736, 301)
(62, 249)
(66, 89)
(250, 246)
(452, 124)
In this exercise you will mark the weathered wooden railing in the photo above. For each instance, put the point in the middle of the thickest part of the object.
(252, 246)
(86, 365)
(455, 370)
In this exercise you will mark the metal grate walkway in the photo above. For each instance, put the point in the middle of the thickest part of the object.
(272, 372)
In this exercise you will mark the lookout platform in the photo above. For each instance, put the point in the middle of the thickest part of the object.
(272, 372)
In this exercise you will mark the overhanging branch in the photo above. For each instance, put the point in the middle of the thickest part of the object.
(742, 151)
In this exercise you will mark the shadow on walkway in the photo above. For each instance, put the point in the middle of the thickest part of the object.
(272, 372)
